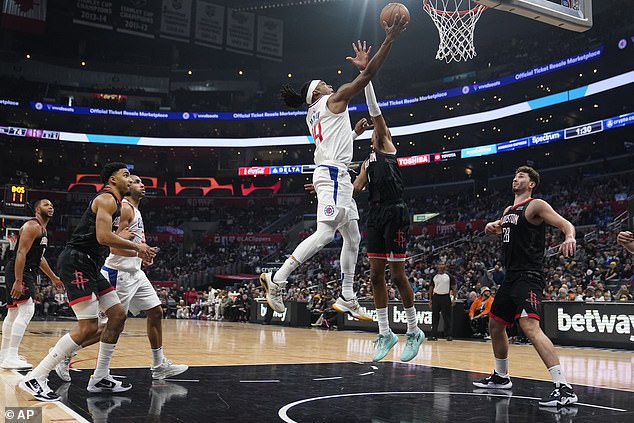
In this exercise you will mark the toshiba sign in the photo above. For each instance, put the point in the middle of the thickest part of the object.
(413, 160)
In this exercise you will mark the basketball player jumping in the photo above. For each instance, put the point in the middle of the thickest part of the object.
(523, 230)
(20, 276)
(123, 269)
(329, 123)
(388, 224)
(88, 291)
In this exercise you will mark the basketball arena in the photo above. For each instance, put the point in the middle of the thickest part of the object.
(317, 211)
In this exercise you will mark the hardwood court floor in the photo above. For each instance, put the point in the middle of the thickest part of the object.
(221, 344)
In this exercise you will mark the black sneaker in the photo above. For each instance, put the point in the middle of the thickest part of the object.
(432, 338)
(495, 381)
(560, 396)
(38, 388)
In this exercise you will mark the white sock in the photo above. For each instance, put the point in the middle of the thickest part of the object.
(558, 375)
(287, 268)
(410, 313)
(157, 356)
(384, 324)
(65, 347)
(103, 360)
(502, 366)
(25, 314)
(347, 284)
(7, 329)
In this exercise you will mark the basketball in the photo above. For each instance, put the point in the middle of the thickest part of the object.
(391, 10)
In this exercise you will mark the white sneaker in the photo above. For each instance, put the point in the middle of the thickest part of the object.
(107, 384)
(351, 307)
(273, 292)
(38, 388)
(167, 369)
(15, 363)
(63, 369)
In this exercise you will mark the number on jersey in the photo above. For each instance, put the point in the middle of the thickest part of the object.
(317, 133)
(506, 234)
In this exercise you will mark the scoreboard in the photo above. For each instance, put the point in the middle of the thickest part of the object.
(15, 199)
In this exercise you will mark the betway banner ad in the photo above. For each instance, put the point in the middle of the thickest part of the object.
(607, 325)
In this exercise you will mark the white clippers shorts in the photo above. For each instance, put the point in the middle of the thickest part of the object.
(134, 289)
(334, 195)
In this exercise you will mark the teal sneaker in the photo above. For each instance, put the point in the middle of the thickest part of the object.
(384, 344)
(412, 344)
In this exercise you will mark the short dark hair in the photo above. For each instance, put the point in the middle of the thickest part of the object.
(533, 175)
(292, 98)
(111, 168)
(38, 202)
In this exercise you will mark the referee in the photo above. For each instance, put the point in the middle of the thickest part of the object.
(442, 298)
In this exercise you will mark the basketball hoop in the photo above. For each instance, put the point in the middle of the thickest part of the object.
(13, 241)
(455, 21)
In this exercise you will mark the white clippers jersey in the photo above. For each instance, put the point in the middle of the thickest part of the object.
(118, 262)
(332, 134)
(136, 225)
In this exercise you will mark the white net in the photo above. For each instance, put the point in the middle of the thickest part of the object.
(455, 21)
(12, 239)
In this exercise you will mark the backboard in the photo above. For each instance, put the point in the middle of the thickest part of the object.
(574, 15)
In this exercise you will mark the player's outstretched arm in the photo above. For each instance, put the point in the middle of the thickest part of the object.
(361, 180)
(338, 102)
(383, 140)
(545, 211)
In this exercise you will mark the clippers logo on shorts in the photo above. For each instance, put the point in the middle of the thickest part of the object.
(329, 210)
(532, 299)
(79, 281)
